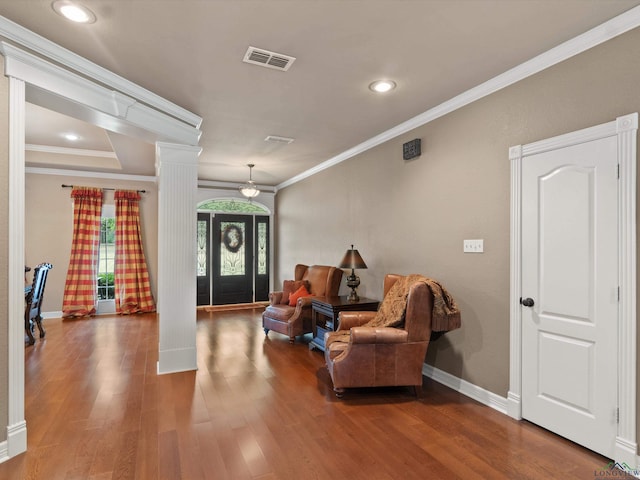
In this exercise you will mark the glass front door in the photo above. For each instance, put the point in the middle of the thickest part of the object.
(232, 258)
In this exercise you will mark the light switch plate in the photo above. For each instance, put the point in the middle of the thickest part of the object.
(473, 246)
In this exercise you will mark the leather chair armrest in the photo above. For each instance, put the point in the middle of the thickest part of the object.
(305, 301)
(348, 320)
(303, 304)
(275, 298)
(378, 335)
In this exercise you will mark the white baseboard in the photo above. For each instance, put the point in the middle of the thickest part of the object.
(177, 360)
(4, 452)
(16, 442)
(479, 394)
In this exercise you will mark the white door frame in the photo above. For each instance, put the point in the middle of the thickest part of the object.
(625, 128)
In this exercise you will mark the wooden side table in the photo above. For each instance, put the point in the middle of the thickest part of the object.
(325, 311)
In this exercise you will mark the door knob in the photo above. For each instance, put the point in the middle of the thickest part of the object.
(527, 302)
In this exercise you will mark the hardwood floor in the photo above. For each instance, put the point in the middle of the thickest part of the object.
(256, 409)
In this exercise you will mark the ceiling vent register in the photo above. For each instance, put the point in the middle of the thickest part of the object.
(265, 58)
(278, 139)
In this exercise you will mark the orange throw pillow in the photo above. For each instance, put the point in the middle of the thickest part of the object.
(301, 292)
(288, 287)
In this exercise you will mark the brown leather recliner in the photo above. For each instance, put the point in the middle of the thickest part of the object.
(321, 281)
(381, 356)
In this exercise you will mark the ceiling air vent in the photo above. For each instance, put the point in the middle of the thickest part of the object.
(277, 139)
(268, 59)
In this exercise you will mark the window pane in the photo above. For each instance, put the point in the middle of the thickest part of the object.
(231, 206)
(232, 251)
(106, 259)
(262, 248)
(202, 248)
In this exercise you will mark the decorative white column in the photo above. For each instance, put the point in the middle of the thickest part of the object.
(177, 171)
(17, 425)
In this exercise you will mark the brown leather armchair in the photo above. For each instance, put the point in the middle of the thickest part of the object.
(381, 356)
(320, 280)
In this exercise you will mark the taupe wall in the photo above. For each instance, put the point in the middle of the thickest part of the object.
(4, 253)
(412, 216)
(49, 226)
(403, 216)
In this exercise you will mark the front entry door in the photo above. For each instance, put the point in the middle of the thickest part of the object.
(570, 292)
(232, 259)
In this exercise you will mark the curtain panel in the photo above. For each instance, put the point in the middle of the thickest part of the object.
(80, 295)
(131, 280)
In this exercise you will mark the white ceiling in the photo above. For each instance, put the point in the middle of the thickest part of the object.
(190, 52)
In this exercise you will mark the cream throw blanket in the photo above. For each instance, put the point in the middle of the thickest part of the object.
(445, 315)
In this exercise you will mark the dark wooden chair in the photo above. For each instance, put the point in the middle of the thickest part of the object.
(33, 299)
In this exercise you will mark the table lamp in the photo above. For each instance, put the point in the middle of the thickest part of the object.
(353, 260)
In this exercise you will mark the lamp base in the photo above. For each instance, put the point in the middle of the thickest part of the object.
(353, 296)
(352, 282)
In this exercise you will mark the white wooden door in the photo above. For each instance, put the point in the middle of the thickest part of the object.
(570, 274)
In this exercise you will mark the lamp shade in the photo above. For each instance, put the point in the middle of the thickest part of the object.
(352, 259)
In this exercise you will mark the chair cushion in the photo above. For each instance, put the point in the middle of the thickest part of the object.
(279, 312)
(301, 292)
(335, 348)
(289, 287)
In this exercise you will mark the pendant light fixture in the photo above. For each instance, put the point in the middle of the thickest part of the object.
(249, 189)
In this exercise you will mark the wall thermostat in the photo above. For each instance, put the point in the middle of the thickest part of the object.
(411, 149)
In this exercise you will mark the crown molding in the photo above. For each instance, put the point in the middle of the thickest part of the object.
(26, 38)
(69, 151)
(86, 174)
(597, 35)
(232, 186)
(137, 178)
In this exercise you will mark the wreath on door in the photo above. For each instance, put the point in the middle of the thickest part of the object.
(232, 238)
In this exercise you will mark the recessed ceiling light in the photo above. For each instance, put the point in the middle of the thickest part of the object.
(73, 11)
(382, 86)
(72, 137)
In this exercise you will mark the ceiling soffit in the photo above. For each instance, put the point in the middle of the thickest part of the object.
(53, 87)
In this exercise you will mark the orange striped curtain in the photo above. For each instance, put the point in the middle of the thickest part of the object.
(80, 287)
(133, 290)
